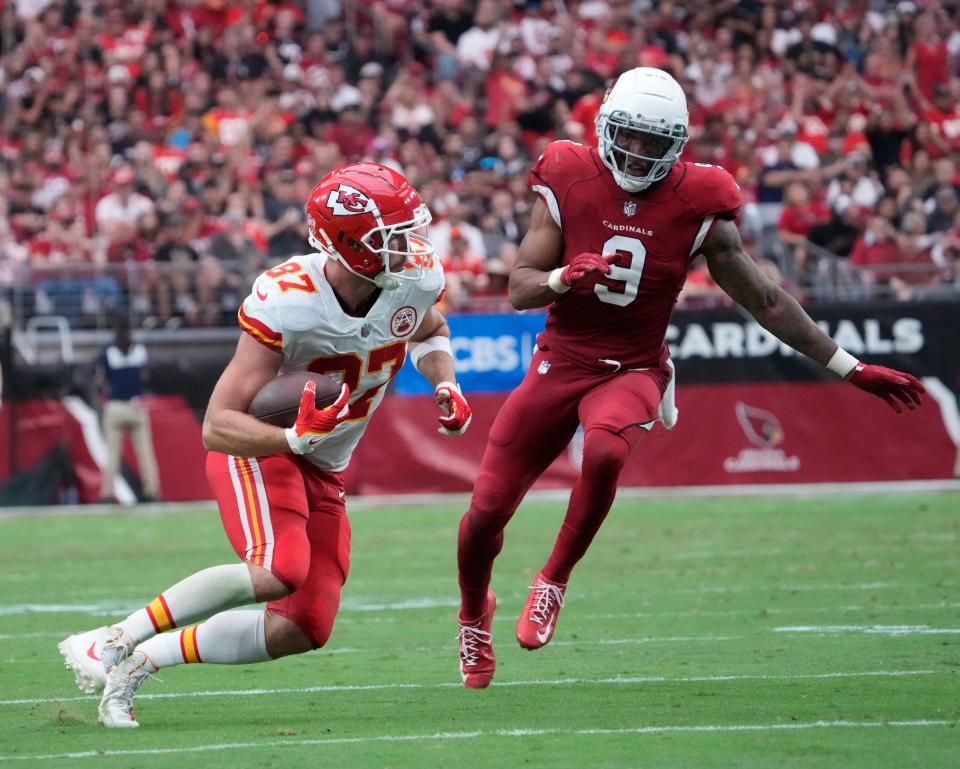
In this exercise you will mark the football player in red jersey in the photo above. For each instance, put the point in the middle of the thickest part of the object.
(349, 310)
(612, 234)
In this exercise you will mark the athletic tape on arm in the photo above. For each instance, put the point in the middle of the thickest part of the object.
(429, 345)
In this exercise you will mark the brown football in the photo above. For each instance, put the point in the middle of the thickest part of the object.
(278, 401)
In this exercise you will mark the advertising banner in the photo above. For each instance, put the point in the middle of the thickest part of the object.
(751, 409)
(492, 353)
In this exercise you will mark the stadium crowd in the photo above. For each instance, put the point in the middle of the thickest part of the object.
(155, 155)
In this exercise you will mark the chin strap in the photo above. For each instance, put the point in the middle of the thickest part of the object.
(387, 282)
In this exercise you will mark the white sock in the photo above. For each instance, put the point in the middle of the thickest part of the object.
(228, 638)
(194, 598)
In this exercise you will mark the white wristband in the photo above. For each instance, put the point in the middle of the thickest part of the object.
(449, 385)
(432, 344)
(842, 363)
(555, 283)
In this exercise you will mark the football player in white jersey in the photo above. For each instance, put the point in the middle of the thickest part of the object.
(350, 311)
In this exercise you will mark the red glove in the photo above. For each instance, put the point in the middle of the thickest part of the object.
(585, 265)
(458, 414)
(314, 424)
(889, 384)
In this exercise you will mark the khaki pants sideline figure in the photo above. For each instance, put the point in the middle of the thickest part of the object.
(132, 417)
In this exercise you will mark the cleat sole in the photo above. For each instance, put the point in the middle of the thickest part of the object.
(83, 681)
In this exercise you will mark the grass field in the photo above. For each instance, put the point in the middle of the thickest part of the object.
(762, 632)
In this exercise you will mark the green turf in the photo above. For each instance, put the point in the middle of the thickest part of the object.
(673, 596)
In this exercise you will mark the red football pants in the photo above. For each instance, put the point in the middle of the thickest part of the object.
(288, 516)
(534, 425)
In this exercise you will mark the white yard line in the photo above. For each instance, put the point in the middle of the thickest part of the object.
(40, 634)
(650, 640)
(99, 610)
(494, 733)
(506, 619)
(463, 499)
(615, 681)
(890, 630)
(756, 610)
(106, 608)
(801, 588)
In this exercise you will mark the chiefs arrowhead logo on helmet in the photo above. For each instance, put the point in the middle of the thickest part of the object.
(347, 201)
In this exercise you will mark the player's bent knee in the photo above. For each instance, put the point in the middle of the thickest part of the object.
(291, 567)
(604, 452)
(284, 637)
(492, 497)
(268, 586)
(316, 623)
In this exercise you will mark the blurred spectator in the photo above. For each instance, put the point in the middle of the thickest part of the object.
(285, 232)
(351, 134)
(464, 269)
(838, 234)
(475, 47)
(942, 208)
(855, 185)
(800, 215)
(504, 90)
(13, 257)
(942, 114)
(442, 233)
(916, 267)
(178, 261)
(117, 212)
(779, 170)
(927, 55)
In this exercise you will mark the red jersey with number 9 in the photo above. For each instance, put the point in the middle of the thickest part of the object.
(623, 317)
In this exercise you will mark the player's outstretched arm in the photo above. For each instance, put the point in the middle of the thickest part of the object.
(778, 312)
(227, 427)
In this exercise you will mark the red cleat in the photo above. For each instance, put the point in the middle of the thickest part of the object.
(538, 619)
(477, 660)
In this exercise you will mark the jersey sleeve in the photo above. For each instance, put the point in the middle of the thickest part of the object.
(438, 282)
(259, 315)
(721, 196)
(551, 175)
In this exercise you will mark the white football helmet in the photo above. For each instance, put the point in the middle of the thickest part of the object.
(642, 126)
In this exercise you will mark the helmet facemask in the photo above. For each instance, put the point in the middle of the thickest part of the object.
(659, 148)
(403, 249)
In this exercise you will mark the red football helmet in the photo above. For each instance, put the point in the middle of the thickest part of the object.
(372, 220)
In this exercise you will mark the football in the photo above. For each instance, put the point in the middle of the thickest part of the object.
(278, 401)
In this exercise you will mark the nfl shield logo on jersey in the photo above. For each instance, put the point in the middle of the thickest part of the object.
(629, 207)
(544, 367)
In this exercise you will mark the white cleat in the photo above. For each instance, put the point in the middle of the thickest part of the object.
(90, 655)
(116, 706)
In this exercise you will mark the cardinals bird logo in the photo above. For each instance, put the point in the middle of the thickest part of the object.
(761, 427)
